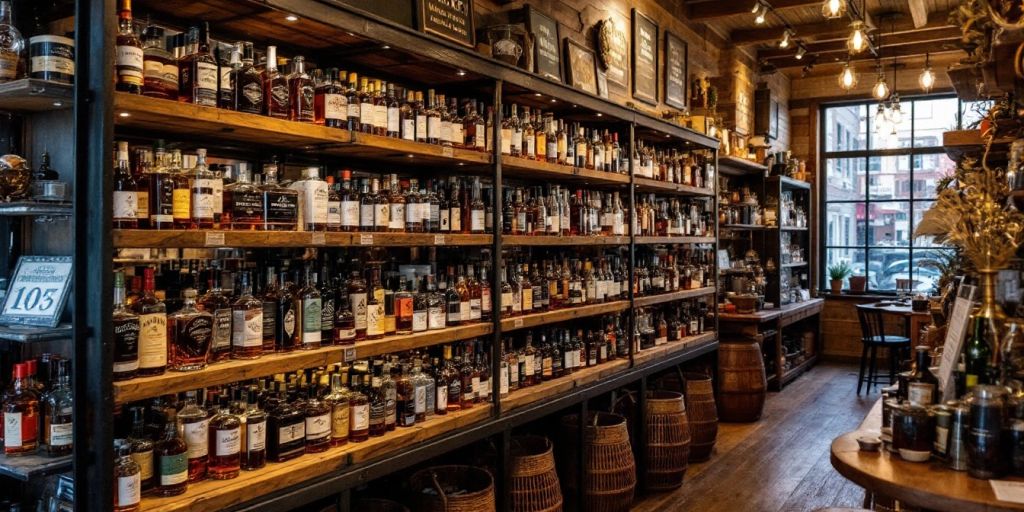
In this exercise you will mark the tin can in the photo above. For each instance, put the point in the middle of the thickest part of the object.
(956, 453)
(985, 457)
(51, 58)
(943, 422)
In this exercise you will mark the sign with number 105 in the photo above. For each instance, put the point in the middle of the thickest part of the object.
(38, 291)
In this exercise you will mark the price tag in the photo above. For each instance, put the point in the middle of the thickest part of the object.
(349, 354)
(517, 323)
(319, 238)
(214, 239)
(438, 239)
(38, 291)
(447, 151)
(365, 239)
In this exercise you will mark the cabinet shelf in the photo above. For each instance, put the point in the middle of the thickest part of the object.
(33, 95)
(733, 166)
(659, 353)
(529, 240)
(673, 296)
(227, 238)
(788, 183)
(532, 169)
(664, 187)
(675, 240)
(794, 228)
(32, 334)
(36, 208)
(746, 227)
(27, 467)
(562, 315)
(794, 265)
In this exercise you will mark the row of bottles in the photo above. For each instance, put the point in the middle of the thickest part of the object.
(691, 168)
(37, 408)
(539, 355)
(539, 136)
(658, 216)
(658, 325)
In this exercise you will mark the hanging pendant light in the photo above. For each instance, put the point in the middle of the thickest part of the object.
(881, 89)
(858, 39)
(881, 117)
(927, 78)
(848, 77)
(895, 114)
(832, 9)
(800, 52)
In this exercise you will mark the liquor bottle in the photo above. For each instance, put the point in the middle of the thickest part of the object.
(452, 381)
(301, 94)
(254, 451)
(308, 307)
(229, 62)
(338, 401)
(396, 206)
(375, 325)
(225, 442)
(161, 190)
(246, 323)
(407, 117)
(317, 416)
(433, 117)
(344, 319)
(364, 97)
(357, 298)
(406, 396)
(21, 415)
(243, 203)
(977, 354)
(359, 411)
(126, 199)
(181, 209)
(270, 296)
(126, 329)
(388, 387)
(128, 476)
(330, 106)
(420, 115)
(129, 56)
(312, 200)
(275, 88)
(190, 332)
(247, 86)
(141, 448)
(378, 405)
(216, 302)
(280, 204)
(286, 431)
(197, 71)
(152, 329)
(333, 205)
(195, 426)
(171, 459)
(393, 113)
(404, 308)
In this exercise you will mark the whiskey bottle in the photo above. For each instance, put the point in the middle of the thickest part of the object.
(366, 108)
(248, 84)
(276, 102)
(229, 62)
(388, 387)
(207, 189)
(254, 451)
(246, 322)
(344, 319)
(308, 308)
(333, 205)
(433, 115)
(243, 203)
(152, 329)
(171, 456)
(129, 58)
(190, 332)
(126, 334)
(126, 199)
(420, 115)
(271, 298)
(318, 422)
(161, 190)
(393, 117)
(405, 404)
(375, 323)
(378, 406)
(182, 192)
(142, 448)
(21, 414)
(280, 204)
(160, 67)
(57, 409)
(225, 442)
(286, 431)
(195, 426)
(127, 474)
(407, 117)
(350, 221)
(338, 401)
(301, 94)
(330, 105)
(312, 200)
(452, 382)
(404, 308)
(197, 71)
(359, 410)
(358, 297)
(216, 303)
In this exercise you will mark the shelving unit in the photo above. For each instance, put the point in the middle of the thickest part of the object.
(768, 327)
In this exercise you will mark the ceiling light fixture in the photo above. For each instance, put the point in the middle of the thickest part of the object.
(832, 9)
(800, 52)
(460, 73)
(760, 13)
(927, 78)
(881, 89)
(858, 40)
(784, 43)
(848, 77)
(291, 17)
(881, 117)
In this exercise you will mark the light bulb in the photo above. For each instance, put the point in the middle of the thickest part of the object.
(848, 78)
(880, 118)
(784, 43)
(757, 7)
(927, 79)
(881, 89)
(761, 15)
(895, 114)
(832, 9)
(800, 52)
(857, 41)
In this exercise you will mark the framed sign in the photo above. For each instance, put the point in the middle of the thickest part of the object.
(613, 50)
(676, 63)
(450, 19)
(38, 291)
(581, 67)
(645, 58)
(547, 60)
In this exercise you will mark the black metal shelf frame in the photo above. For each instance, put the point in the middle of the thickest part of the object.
(92, 354)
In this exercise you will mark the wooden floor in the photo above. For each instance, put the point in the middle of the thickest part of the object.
(781, 463)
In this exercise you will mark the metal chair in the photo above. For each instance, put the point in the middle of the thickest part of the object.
(873, 337)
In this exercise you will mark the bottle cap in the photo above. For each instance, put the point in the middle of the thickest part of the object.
(346, 174)
(31, 365)
(20, 371)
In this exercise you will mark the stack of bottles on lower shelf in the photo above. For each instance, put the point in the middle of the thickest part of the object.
(37, 407)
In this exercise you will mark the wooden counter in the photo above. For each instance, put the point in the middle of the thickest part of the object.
(766, 327)
(927, 485)
(787, 314)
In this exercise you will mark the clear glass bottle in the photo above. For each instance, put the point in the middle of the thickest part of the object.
(276, 102)
(243, 203)
(171, 459)
(225, 442)
(301, 93)
(203, 184)
(190, 332)
(195, 426)
(330, 107)
(197, 71)
(246, 322)
(338, 401)
(309, 306)
(312, 200)
(281, 204)
(129, 56)
(142, 448)
(57, 409)
(254, 451)
(128, 478)
(248, 84)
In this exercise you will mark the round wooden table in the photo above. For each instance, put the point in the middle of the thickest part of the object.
(928, 485)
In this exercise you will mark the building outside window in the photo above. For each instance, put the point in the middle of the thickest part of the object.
(878, 183)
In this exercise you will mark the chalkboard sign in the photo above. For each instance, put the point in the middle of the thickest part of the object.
(450, 19)
(613, 50)
(547, 61)
(581, 66)
(38, 291)
(675, 71)
(645, 58)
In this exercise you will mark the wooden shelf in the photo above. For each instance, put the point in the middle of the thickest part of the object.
(532, 169)
(32, 334)
(142, 113)
(659, 353)
(227, 238)
(215, 495)
(673, 296)
(788, 183)
(675, 240)
(734, 166)
(961, 143)
(238, 370)
(794, 265)
(794, 228)
(664, 187)
(795, 371)
(746, 227)
(32, 95)
(28, 467)
(529, 240)
(36, 208)
(562, 385)
(562, 315)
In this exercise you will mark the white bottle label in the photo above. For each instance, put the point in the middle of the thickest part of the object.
(477, 221)
(360, 417)
(442, 397)
(433, 127)
(350, 213)
(153, 340)
(318, 427)
(291, 433)
(256, 436)
(357, 302)
(421, 127)
(315, 202)
(202, 199)
(420, 399)
(397, 217)
(366, 214)
(129, 490)
(419, 321)
(435, 318)
(247, 333)
(334, 213)
(206, 76)
(196, 439)
(229, 442)
(409, 129)
(335, 106)
(12, 429)
(393, 120)
(382, 215)
(129, 63)
(126, 205)
(60, 434)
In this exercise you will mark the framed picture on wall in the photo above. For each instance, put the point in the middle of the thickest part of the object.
(613, 49)
(645, 58)
(676, 64)
(547, 60)
(581, 67)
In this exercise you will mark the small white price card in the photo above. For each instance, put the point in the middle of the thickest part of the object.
(214, 238)
(438, 239)
(1004, 490)
(447, 152)
(38, 291)
(517, 323)
(365, 239)
(319, 239)
(348, 355)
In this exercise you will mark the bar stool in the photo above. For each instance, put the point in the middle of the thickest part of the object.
(873, 337)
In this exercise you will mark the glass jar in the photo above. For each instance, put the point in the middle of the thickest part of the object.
(913, 432)
(985, 459)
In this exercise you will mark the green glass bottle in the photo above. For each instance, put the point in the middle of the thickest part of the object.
(978, 352)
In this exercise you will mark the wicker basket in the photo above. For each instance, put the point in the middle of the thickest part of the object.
(478, 483)
(378, 505)
(533, 479)
(609, 469)
(668, 440)
(702, 415)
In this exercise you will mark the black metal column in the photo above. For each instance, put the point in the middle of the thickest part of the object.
(633, 221)
(92, 354)
(496, 255)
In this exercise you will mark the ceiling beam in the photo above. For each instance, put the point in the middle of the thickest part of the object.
(723, 8)
(904, 51)
(829, 30)
(936, 35)
(919, 12)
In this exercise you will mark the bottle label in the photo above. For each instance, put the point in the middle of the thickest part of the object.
(421, 127)
(181, 207)
(465, 311)
(129, 65)
(311, 320)
(434, 127)
(196, 438)
(229, 442)
(366, 215)
(253, 94)
(247, 328)
(60, 434)
(477, 221)
(435, 318)
(129, 490)
(145, 461)
(397, 217)
(504, 382)
(221, 340)
(393, 120)
(420, 399)
(475, 309)
(173, 469)
(335, 107)
(255, 436)
(18, 431)
(353, 111)
(126, 205)
(442, 397)
(403, 307)
(517, 140)
(357, 302)
(282, 208)
(289, 323)
(340, 420)
(380, 116)
(126, 345)
(350, 214)
(327, 314)
(318, 427)
(206, 76)
(920, 393)
(153, 340)
(366, 113)
(360, 417)
(527, 295)
(315, 204)
(419, 321)
(409, 129)
(456, 219)
(244, 205)
(374, 319)
(289, 433)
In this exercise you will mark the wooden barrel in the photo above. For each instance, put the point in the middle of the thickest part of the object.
(608, 467)
(378, 505)
(742, 387)
(533, 479)
(453, 489)
(702, 415)
(668, 440)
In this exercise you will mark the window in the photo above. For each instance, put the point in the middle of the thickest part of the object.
(878, 185)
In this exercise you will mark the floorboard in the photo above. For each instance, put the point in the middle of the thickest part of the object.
(781, 463)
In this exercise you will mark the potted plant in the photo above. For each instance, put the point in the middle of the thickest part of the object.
(858, 284)
(836, 274)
